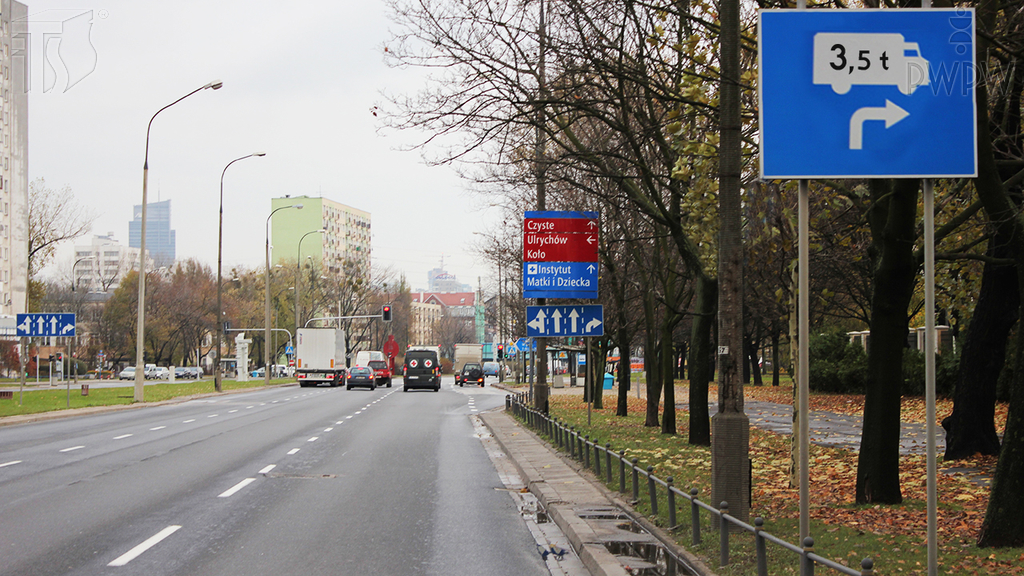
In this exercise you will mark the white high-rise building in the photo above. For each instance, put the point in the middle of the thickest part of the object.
(13, 158)
(102, 264)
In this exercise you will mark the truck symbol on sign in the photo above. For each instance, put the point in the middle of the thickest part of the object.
(842, 60)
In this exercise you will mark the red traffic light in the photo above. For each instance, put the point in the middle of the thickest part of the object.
(385, 312)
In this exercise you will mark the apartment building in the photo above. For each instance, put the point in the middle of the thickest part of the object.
(13, 157)
(101, 265)
(346, 233)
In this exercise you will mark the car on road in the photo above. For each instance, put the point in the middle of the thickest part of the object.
(257, 373)
(492, 369)
(471, 373)
(127, 374)
(360, 376)
(421, 370)
(381, 372)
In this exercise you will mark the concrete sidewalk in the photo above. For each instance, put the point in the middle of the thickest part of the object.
(586, 512)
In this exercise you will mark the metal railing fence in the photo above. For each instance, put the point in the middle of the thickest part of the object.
(580, 448)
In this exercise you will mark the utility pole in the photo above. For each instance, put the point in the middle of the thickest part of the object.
(540, 391)
(730, 427)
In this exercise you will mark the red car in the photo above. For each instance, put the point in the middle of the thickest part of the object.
(381, 372)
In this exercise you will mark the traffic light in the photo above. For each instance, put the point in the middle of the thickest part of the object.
(60, 356)
(385, 312)
(501, 351)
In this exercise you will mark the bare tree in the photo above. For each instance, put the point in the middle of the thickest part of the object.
(53, 216)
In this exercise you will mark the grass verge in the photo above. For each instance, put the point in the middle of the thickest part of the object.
(893, 536)
(35, 401)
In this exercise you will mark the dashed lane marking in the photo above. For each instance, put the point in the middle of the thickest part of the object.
(231, 491)
(149, 543)
(268, 468)
(11, 463)
(122, 436)
(293, 451)
(72, 448)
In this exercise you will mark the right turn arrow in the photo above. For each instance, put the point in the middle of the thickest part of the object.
(891, 113)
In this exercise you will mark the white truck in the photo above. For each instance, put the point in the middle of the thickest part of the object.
(320, 356)
(467, 353)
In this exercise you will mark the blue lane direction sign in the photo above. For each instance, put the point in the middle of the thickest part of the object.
(44, 324)
(586, 320)
(523, 344)
(559, 280)
(867, 93)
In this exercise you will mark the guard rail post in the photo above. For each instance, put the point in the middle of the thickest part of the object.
(636, 481)
(806, 564)
(572, 442)
(723, 534)
(622, 471)
(608, 461)
(671, 505)
(759, 547)
(597, 458)
(694, 517)
(586, 451)
(867, 566)
(652, 490)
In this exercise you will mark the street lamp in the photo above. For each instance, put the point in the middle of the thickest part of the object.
(298, 273)
(220, 251)
(140, 331)
(266, 308)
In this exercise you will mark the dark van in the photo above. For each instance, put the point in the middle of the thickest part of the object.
(422, 370)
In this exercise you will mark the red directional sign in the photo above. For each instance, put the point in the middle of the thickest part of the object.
(560, 225)
(560, 248)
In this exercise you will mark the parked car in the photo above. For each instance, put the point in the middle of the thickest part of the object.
(258, 373)
(492, 369)
(186, 373)
(471, 373)
(360, 376)
(158, 373)
(194, 372)
(381, 372)
(127, 374)
(421, 370)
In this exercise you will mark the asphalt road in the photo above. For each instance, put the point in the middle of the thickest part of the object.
(283, 481)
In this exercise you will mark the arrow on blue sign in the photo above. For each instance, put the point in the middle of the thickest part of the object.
(586, 320)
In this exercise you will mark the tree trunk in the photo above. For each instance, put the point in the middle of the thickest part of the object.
(971, 429)
(1004, 518)
(651, 365)
(701, 368)
(667, 355)
(878, 465)
(622, 405)
(597, 386)
(775, 356)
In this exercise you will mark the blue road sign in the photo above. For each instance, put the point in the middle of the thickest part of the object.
(289, 350)
(560, 280)
(867, 93)
(524, 344)
(43, 324)
(586, 320)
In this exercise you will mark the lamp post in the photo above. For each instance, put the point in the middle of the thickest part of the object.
(298, 274)
(266, 307)
(140, 330)
(220, 252)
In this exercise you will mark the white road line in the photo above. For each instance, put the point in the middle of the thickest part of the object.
(347, 417)
(293, 451)
(247, 407)
(274, 402)
(328, 429)
(340, 422)
(11, 463)
(313, 439)
(230, 491)
(268, 468)
(232, 411)
(189, 420)
(121, 437)
(149, 543)
(213, 415)
(359, 412)
(157, 428)
(72, 448)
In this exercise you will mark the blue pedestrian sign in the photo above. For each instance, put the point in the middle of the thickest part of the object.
(867, 93)
(587, 320)
(43, 324)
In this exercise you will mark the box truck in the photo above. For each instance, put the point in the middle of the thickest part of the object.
(320, 356)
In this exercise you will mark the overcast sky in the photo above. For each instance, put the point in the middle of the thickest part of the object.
(300, 80)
